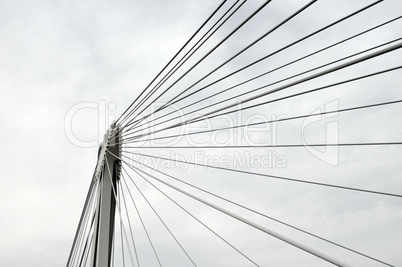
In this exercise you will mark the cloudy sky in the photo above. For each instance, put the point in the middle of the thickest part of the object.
(68, 68)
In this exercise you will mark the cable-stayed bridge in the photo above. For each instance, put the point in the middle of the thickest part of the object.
(281, 152)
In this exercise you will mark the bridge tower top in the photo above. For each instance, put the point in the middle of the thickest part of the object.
(108, 171)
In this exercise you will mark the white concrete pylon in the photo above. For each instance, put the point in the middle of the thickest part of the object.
(108, 171)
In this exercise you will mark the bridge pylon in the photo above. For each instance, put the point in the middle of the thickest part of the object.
(108, 171)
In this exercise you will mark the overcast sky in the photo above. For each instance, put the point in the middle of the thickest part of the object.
(67, 68)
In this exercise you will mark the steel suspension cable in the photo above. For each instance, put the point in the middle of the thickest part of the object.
(247, 47)
(277, 51)
(117, 203)
(261, 214)
(269, 176)
(86, 226)
(280, 88)
(184, 59)
(209, 52)
(156, 213)
(92, 210)
(190, 214)
(306, 37)
(163, 69)
(127, 135)
(240, 52)
(87, 243)
(129, 225)
(139, 216)
(80, 223)
(252, 224)
(263, 122)
(270, 71)
(289, 145)
(87, 254)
